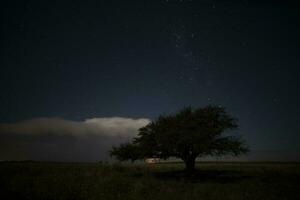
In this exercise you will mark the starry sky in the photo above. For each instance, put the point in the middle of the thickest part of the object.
(69, 63)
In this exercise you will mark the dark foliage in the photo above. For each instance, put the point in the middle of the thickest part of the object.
(188, 134)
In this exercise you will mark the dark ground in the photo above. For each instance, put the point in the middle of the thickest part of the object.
(34, 180)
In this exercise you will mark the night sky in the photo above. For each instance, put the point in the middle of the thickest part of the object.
(116, 64)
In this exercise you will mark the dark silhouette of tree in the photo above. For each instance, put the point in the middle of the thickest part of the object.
(126, 151)
(188, 134)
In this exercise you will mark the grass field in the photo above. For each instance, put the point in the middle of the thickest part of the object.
(159, 181)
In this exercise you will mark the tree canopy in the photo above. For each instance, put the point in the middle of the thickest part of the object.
(188, 134)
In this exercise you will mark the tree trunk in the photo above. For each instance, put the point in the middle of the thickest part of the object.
(190, 164)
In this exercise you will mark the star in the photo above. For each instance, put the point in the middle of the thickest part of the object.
(275, 100)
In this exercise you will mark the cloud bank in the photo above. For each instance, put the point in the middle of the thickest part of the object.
(57, 139)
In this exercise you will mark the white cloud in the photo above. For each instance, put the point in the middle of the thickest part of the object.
(114, 126)
(60, 139)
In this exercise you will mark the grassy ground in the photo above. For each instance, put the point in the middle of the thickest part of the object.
(159, 181)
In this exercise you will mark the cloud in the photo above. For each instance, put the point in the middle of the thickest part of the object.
(65, 140)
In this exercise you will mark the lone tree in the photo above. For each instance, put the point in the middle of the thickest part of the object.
(188, 134)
